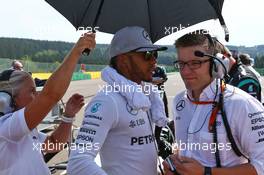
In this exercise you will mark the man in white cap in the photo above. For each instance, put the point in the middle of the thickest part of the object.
(118, 120)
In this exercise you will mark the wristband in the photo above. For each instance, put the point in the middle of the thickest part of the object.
(67, 119)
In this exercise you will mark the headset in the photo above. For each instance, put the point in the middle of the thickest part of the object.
(6, 74)
(6, 100)
(219, 64)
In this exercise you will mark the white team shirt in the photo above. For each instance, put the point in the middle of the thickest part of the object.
(18, 147)
(245, 115)
(121, 135)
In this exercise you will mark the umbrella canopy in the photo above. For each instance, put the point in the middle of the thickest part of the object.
(158, 17)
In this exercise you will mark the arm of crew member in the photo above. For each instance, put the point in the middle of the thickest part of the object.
(61, 135)
(249, 136)
(239, 169)
(100, 117)
(57, 84)
(190, 166)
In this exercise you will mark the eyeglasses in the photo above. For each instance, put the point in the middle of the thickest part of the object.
(193, 64)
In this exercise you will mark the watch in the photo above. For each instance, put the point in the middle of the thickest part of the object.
(207, 171)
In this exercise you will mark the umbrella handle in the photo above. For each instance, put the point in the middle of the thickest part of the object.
(87, 51)
(226, 32)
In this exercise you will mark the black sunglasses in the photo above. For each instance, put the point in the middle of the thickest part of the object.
(148, 55)
(151, 54)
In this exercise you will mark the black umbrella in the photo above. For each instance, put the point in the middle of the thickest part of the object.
(158, 17)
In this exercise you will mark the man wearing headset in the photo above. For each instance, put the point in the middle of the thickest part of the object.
(219, 128)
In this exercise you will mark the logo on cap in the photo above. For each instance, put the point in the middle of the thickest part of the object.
(146, 35)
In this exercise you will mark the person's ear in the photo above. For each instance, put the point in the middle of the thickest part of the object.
(123, 62)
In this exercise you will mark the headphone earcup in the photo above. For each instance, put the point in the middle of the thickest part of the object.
(6, 74)
(213, 68)
(219, 70)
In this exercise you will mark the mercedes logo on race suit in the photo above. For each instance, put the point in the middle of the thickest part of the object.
(95, 107)
(131, 110)
(180, 105)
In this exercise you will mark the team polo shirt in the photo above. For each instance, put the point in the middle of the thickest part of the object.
(245, 115)
(19, 147)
